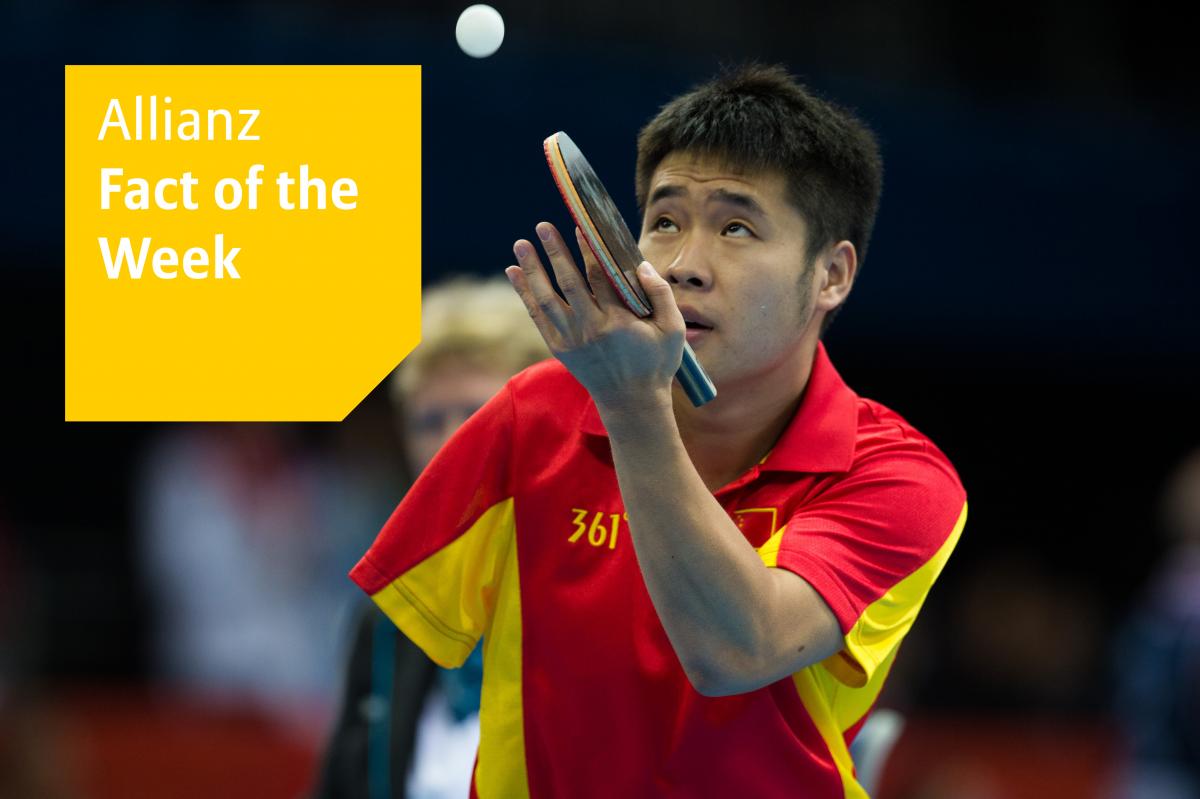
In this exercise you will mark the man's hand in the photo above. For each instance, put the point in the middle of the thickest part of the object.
(624, 361)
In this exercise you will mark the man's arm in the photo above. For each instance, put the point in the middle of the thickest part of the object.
(734, 623)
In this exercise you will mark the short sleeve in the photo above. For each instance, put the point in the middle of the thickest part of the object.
(872, 544)
(434, 569)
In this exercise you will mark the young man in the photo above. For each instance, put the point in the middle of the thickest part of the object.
(681, 601)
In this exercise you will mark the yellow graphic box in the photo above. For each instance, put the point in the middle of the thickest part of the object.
(243, 243)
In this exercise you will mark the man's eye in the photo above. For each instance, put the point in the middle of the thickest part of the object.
(738, 230)
(663, 224)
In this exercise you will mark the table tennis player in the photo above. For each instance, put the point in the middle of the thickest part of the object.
(678, 600)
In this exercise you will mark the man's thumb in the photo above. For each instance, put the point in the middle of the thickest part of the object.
(657, 289)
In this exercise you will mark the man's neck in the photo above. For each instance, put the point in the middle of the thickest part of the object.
(737, 429)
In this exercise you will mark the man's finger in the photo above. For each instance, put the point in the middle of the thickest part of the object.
(542, 293)
(520, 283)
(573, 286)
(602, 289)
(662, 298)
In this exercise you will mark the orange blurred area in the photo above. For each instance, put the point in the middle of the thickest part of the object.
(105, 744)
(127, 744)
(964, 758)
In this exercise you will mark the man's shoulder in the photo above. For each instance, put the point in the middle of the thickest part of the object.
(546, 393)
(547, 378)
(899, 488)
(885, 440)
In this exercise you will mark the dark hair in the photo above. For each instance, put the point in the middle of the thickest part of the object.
(758, 118)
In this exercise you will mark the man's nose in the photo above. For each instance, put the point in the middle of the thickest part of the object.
(690, 267)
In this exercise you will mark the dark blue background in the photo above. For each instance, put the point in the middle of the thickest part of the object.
(1030, 299)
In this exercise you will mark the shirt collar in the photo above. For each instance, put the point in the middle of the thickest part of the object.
(821, 435)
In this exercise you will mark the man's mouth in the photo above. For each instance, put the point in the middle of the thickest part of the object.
(694, 320)
(698, 326)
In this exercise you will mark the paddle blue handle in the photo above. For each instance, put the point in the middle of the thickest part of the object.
(692, 378)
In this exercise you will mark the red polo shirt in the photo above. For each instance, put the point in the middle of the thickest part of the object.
(515, 532)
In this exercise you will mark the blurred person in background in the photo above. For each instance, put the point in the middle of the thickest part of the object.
(407, 728)
(1157, 659)
(241, 545)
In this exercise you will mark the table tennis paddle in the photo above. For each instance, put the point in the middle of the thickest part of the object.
(613, 245)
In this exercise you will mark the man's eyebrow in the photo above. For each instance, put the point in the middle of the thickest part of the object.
(663, 192)
(743, 201)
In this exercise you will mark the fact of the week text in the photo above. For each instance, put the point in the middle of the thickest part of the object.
(154, 119)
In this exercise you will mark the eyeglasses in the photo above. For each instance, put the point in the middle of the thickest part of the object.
(437, 418)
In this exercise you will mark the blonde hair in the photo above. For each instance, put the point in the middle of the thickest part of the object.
(475, 322)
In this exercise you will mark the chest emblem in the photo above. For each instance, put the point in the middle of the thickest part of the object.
(757, 524)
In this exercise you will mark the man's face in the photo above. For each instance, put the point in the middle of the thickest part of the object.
(440, 405)
(733, 249)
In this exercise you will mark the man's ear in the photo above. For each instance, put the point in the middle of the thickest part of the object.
(837, 266)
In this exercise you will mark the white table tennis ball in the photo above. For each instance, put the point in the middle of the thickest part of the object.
(479, 31)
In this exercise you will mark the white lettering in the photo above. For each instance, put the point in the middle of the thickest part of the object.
(220, 192)
(137, 191)
(114, 117)
(283, 182)
(124, 255)
(253, 114)
(196, 256)
(106, 186)
(307, 183)
(138, 198)
(213, 113)
(155, 120)
(165, 257)
(343, 188)
(253, 181)
(190, 121)
(225, 262)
